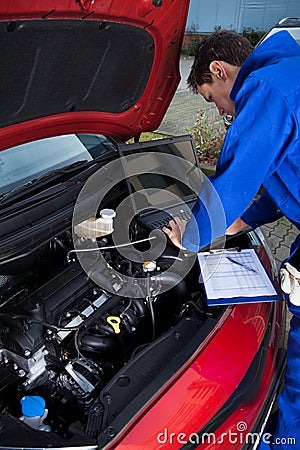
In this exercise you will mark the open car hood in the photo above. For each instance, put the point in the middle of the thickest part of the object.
(93, 65)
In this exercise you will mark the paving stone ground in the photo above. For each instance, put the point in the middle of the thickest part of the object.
(280, 235)
(182, 113)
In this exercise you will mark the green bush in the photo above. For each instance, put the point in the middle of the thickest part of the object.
(254, 36)
(251, 34)
(190, 50)
(208, 138)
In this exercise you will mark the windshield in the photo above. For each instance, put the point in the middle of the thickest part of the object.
(24, 163)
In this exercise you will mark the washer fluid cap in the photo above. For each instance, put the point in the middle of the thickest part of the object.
(108, 213)
(33, 405)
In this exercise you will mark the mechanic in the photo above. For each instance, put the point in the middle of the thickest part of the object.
(261, 89)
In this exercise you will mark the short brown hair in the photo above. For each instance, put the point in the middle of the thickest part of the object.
(224, 45)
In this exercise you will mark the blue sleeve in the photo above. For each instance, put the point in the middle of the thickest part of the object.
(254, 147)
(262, 211)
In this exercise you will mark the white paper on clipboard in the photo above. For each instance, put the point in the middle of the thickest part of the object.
(224, 279)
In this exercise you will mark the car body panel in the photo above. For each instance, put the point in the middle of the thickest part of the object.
(215, 373)
(205, 386)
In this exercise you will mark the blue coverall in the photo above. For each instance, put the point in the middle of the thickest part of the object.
(262, 147)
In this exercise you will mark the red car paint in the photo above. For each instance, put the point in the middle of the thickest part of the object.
(201, 389)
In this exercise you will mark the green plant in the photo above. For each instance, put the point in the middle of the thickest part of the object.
(252, 35)
(193, 46)
(190, 47)
(193, 38)
(192, 29)
(208, 138)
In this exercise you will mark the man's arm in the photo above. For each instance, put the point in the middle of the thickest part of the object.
(237, 226)
(260, 212)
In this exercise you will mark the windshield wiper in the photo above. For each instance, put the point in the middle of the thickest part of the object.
(62, 174)
(44, 179)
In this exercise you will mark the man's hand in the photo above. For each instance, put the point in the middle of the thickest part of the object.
(237, 226)
(175, 231)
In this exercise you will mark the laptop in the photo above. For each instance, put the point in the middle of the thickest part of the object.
(163, 177)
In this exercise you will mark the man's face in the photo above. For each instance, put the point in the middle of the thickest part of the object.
(219, 93)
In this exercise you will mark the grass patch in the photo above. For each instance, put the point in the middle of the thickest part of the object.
(149, 136)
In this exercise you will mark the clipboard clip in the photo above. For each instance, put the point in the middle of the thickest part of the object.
(224, 250)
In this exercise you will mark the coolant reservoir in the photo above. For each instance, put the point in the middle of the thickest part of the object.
(93, 227)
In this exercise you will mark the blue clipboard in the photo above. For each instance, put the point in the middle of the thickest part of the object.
(235, 277)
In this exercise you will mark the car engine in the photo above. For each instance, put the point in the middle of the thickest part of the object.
(63, 337)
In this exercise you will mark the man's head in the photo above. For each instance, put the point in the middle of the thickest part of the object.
(217, 62)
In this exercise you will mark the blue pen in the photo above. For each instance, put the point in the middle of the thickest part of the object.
(241, 264)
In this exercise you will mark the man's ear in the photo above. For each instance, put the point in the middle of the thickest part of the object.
(218, 69)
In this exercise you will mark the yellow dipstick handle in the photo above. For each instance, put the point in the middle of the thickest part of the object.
(114, 321)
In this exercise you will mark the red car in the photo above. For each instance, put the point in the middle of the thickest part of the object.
(100, 346)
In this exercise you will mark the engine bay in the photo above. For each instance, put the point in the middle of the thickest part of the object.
(89, 334)
(65, 339)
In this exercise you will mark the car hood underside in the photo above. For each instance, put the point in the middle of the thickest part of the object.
(115, 61)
